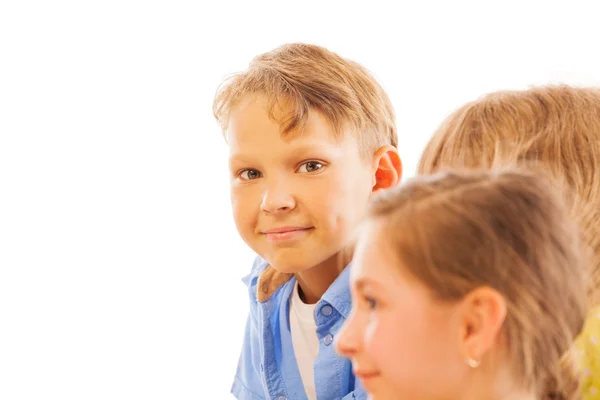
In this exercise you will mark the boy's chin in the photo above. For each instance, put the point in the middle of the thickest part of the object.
(289, 268)
(298, 264)
(292, 261)
(293, 265)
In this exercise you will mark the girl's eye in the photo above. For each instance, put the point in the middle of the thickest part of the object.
(371, 303)
(250, 174)
(310, 166)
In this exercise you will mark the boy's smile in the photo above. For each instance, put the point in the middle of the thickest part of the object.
(287, 233)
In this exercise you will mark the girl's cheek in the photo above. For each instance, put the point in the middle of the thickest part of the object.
(370, 334)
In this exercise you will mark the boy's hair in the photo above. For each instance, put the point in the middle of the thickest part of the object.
(507, 230)
(300, 78)
(554, 129)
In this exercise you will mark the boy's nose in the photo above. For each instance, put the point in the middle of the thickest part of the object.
(277, 199)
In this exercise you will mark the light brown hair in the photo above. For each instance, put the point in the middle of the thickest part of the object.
(507, 230)
(301, 77)
(554, 130)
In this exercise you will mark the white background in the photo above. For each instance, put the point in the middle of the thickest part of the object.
(120, 265)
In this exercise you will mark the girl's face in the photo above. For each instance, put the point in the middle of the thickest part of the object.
(402, 342)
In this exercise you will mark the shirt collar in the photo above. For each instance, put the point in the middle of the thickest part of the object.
(338, 294)
(269, 281)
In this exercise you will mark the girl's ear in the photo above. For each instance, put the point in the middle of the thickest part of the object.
(482, 315)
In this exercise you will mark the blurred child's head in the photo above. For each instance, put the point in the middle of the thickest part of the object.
(311, 136)
(465, 285)
(554, 130)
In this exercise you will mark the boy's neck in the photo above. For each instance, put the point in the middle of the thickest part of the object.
(314, 282)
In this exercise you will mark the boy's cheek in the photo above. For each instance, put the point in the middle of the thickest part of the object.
(244, 199)
(244, 216)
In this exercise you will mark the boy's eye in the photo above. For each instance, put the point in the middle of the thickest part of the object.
(310, 166)
(250, 174)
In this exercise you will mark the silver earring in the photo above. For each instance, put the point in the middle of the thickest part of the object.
(472, 362)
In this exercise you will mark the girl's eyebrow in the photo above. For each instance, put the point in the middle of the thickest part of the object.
(361, 283)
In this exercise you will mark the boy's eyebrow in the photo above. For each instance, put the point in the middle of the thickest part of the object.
(238, 158)
(308, 147)
(299, 150)
(321, 148)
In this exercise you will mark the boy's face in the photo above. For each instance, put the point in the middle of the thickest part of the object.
(296, 199)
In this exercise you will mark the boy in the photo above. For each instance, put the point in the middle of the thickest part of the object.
(311, 135)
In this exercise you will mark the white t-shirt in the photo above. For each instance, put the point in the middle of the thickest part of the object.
(305, 340)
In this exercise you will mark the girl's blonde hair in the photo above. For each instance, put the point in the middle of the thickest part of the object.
(506, 230)
(553, 129)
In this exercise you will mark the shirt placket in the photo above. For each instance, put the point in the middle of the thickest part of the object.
(271, 374)
(329, 367)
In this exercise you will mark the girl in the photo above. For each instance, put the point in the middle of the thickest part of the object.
(454, 287)
(556, 131)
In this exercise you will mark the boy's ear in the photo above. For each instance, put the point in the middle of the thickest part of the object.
(387, 166)
(482, 315)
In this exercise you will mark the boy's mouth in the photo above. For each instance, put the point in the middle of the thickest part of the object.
(286, 233)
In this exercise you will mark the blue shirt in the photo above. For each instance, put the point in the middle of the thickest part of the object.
(267, 367)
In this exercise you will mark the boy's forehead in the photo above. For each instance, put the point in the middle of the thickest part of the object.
(253, 124)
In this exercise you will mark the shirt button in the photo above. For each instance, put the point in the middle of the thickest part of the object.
(328, 339)
(326, 310)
